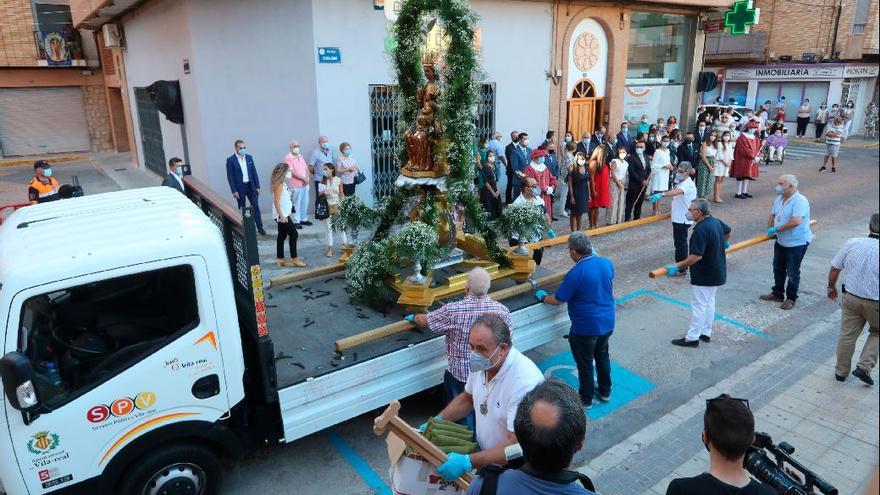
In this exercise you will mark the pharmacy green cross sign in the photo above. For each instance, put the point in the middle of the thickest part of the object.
(741, 16)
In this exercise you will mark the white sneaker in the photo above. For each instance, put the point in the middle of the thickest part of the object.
(565, 213)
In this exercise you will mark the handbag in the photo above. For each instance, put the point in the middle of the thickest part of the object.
(322, 210)
(359, 177)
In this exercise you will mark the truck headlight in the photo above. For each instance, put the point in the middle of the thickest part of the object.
(27, 396)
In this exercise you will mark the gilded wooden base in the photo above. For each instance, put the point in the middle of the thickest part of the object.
(423, 174)
(523, 266)
(347, 251)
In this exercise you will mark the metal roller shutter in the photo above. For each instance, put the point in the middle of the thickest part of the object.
(35, 121)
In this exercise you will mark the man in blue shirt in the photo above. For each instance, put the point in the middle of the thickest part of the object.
(790, 223)
(587, 288)
(708, 266)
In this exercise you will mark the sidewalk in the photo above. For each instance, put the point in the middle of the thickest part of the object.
(852, 142)
(833, 426)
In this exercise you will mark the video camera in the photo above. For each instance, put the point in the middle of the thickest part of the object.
(778, 474)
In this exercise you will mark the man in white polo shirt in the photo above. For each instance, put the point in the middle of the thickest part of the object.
(684, 192)
(500, 376)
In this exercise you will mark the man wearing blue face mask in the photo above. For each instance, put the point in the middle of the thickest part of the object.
(499, 378)
(320, 156)
(174, 179)
(530, 193)
(43, 187)
(241, 173)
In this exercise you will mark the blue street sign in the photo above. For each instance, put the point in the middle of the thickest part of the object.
(329, 55)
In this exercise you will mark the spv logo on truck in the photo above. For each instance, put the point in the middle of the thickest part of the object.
(121, 410)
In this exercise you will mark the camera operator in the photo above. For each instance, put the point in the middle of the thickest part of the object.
(728, 432)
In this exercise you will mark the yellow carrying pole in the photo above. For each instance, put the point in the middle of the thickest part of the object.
(289, 278)
(607, 229)
(362, 338)
(659, 272)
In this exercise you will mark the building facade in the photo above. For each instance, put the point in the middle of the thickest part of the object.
(270, 70)
(823, 50)
(52, 96)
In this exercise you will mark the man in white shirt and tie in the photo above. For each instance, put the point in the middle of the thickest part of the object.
(241, 173)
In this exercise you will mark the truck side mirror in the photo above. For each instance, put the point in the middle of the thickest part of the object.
(18, 382)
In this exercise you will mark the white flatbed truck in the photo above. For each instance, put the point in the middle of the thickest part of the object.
(141, 348)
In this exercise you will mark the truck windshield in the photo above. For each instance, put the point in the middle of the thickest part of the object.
(81, 336)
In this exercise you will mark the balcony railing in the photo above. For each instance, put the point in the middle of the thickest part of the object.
(750, 45)
(59, 48)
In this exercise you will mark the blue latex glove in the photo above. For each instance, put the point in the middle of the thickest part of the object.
(671, 270)
(726, 244)
(656, 197)
(410, 318)
(541, 294)
(424, 426)
(455, 466)
(550, 234)
(771, 231)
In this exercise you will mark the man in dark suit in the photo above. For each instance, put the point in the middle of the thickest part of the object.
(583, 145)
(598, 138)
(624, 138)
(174, 179)
(244, 181)
(519, 161)
(639, 170)
(689, 151)
(701, 135)
(508, 156)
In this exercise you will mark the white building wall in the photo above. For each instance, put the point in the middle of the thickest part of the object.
(152, 54)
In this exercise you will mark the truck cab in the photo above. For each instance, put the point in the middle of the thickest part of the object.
(120, 335)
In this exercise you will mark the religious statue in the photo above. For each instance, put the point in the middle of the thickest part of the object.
(421, 141)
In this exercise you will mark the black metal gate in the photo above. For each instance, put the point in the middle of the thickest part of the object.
(151, 132)
(384, 112)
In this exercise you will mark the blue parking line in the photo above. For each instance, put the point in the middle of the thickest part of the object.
(373, 480)
(683, 304)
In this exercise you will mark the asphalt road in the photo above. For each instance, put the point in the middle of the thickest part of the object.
(654, 377)
(348, 459)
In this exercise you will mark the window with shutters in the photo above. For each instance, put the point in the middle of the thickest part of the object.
(861, 16)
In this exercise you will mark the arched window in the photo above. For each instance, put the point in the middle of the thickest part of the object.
(583, 89)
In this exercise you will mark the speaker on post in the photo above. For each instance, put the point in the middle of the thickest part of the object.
(166, 96)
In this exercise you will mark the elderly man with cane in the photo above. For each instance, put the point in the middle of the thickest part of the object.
(708, 265)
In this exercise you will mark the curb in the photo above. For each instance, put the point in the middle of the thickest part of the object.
(54, 160)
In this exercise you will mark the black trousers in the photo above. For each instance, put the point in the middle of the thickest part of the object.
(680, 238)
(633, 206)
(585, 349)
(317, 196)
(538, 254)
(802, 125)
(286, 230)
(508, 193)
(820, 128)
(250, 194)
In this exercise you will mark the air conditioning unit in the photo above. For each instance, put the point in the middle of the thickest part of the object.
(112, 36)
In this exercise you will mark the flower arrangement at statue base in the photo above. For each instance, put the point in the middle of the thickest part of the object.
(352, 216)
(523, 221)
(415, 243)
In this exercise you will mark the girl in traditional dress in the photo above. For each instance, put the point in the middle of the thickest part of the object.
(745, 159)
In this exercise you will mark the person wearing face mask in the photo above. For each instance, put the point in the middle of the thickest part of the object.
(598, 138)
(618, 175)
(174, 179)
(509, 152)
(643, 125)
(544, 178)
(569, 137)
(661, 166)
(587, 289)
(578, 191)
(241, 173)
(331, 190)
(684, 192)
(639, 171)
(671, 123)
(499, 377)
(583, 145)
(282, 207)
(706, 165)
(820, 120)
(701, 134)
(531, 193)
(454, 320)
(833, 136)
(688, 151)
(298, 183)
(707, 263)
(346, 169)
(745, 159)
(500, 164)
(43, 187)
(600, 196)
(803, 118)
(490, 194)
(519, 161)
(568, 163)
(776, 144)
(848, 112)
(780, 108)
(321, 155)
(789, 221)
(723, 160)
(661, 128)
(624, 138)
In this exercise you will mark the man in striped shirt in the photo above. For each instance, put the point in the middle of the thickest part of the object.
(859, 259)
(832, 144)
(455, 320)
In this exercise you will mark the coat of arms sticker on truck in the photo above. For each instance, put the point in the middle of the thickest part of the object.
(45, 445)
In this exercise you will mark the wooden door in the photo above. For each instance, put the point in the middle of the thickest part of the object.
(584, 109)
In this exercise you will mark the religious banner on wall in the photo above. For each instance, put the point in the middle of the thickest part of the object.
(56, 49)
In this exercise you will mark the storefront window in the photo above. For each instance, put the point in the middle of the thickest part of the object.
(737, 91)
(659, 45)
(794, 93)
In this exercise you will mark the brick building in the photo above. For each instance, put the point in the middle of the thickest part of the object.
(53, 96)
(824, 50)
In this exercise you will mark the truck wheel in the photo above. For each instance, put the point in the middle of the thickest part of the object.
(179, 469)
